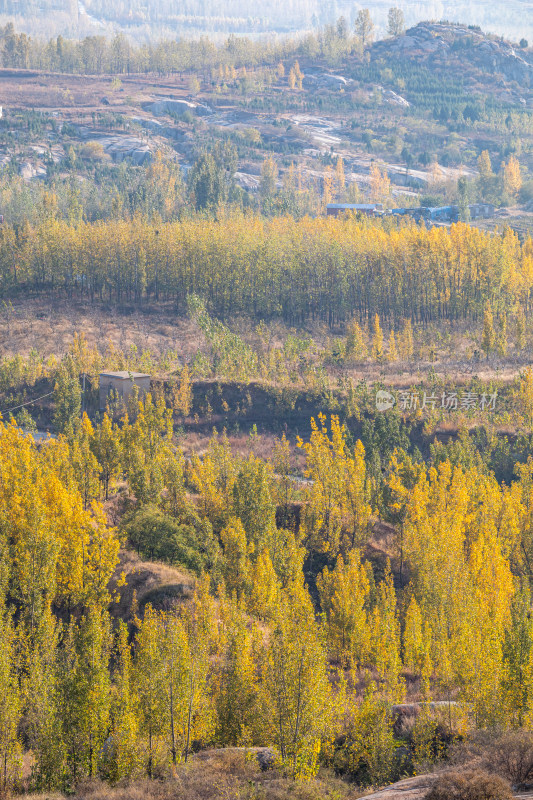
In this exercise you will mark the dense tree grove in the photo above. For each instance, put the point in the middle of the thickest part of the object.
(254, 658)
(322, 268)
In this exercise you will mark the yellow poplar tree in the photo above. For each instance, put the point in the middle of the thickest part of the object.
(237, 568)
(377, 344)
(355, 341)
(489, 336)
(236, 689)
(344, 598)
(406, 341)
(10, 708)
(393, 353)
(512, 178)
(339, 172)
(295, 689)
(386, 639)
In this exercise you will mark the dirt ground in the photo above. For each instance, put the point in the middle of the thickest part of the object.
(74, 93)
(49, 326)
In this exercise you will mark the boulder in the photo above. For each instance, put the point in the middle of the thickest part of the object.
(266, 758)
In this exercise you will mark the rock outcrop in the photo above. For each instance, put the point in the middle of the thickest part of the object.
(468, 48)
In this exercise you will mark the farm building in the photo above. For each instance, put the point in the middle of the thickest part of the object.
(371, 209)
(481, 210)
(121, 385)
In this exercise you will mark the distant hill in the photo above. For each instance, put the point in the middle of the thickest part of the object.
(481, 61)
(512, 18)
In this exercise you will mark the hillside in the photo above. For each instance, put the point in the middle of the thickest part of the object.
(422, 107)
(485, 63)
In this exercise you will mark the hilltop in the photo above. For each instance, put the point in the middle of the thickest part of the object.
(484, 62)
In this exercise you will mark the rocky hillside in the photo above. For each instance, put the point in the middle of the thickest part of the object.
(480, 58)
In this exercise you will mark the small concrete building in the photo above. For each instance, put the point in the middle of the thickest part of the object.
(121, 385)
(370, 209)
(481, 210)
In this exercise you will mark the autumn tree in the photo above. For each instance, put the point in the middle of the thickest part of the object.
(392, 353)
(328, 185)
(489, 336)
(84, 462)
(345, 601)
(396, 22)
(85, 692)
(364, 27)
(237, 551)
(183, 392)
(67, 395)
(339, 174)
(355, 341)
(379, 183)
(295, 688)
(377, 344)
(253, 503)
(269, 175)
(237, 684)
(486, 175)
(283, 487)
(150, 684)
(107, 446)
(10, 708)
(124, 762)
(512, 178)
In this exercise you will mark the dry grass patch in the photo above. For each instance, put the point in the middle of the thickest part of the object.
(147, 581)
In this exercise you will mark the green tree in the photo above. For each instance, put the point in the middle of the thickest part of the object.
(463, 191)
(253, 503)
(85, 692)
(41, 700)
(106, 445)
(210, 180)
(67, 395)
(269, 175)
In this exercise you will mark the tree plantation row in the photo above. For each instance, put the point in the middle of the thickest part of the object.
(294, 636)
(98, 55)
(297, 270)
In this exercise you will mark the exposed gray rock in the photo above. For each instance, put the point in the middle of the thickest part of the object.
(266, 758)
(121, 148)
(167, 105)
(396, 99)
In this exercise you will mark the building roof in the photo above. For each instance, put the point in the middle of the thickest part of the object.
(124, 375)
(355, 206)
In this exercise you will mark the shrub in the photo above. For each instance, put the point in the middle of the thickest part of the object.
(469, 786)
(188, 543)
(94, 151)
(509, 755)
